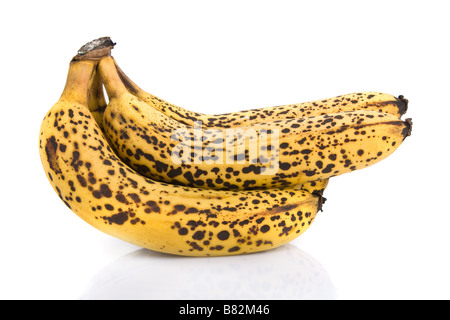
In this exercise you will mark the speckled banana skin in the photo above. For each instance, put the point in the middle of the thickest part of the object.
(375, 101)
(308, 149)
(97, 105)
(371, 101)
(102, 190)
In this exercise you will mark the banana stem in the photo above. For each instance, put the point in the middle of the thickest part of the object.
(129, 84)
(82, 70)
(79, 80)
(97, 102)
(111, 79)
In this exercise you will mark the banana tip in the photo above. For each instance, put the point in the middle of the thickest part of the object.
(321, 199)
(403, 104)
(408, 129)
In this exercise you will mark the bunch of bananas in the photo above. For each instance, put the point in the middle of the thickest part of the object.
(171, 180)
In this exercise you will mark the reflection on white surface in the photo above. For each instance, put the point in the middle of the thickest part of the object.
(283, 273)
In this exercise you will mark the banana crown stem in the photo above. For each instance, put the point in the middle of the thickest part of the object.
(111, 79)
(79, 80)
(82, 70)
(129, 84)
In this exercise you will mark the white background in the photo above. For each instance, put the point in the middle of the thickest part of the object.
(384, 232)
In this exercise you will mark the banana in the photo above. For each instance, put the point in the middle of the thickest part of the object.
(275, 154)
(102, 190)
(374, 101)
(97, 105)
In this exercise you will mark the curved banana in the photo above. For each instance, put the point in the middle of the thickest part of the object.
(95, 184)
(97, 105)
(280, 153)
(371, 101)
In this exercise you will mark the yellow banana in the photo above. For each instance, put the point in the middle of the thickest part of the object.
(95, 184)
(371, 101)
(279, 153)
(97, 105)
(375, 101)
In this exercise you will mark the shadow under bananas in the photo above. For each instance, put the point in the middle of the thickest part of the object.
(284, 273)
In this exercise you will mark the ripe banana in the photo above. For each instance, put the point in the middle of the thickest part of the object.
(375, 101)
(371, 101)
(95, 184)
(285, 152)
(97, 105)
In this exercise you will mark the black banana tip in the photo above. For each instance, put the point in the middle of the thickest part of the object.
(103, 42)
(408, 128)
(321, 201)
(402, 104)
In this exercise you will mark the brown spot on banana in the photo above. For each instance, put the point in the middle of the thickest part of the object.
(51, 148)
